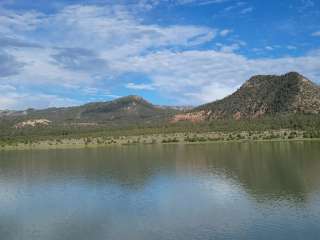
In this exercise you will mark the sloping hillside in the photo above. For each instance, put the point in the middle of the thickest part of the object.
(267, 95)
(122, 111)
(261, 95)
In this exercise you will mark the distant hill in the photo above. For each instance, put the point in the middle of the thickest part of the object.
(123, 111)
(263, 95)
(130, 109)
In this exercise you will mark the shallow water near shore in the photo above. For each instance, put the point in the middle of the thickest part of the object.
(262, 190)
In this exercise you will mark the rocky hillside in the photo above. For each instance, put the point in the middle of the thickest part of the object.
(129, 109)
(122, 111)
(263, 95)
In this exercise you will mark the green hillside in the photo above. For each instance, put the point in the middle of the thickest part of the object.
(269, 95)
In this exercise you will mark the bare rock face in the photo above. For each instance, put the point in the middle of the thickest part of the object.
(194, 117)
(33, 123)
(264, 95)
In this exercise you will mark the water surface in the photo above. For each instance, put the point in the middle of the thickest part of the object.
(178, 192)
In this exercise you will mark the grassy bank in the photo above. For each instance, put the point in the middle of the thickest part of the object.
(165, 138)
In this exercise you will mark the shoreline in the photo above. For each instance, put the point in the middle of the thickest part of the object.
(157, 139)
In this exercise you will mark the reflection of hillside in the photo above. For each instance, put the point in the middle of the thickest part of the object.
(127, 166)
(280, 169)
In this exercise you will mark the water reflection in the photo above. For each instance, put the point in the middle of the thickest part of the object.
(262, 168)
(270, 169)
(220, 191)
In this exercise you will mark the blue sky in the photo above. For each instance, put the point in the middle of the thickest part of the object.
(172, 52)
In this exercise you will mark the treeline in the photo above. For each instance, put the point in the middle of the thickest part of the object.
(310, 124)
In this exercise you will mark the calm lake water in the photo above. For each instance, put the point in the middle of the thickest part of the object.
(178, 192)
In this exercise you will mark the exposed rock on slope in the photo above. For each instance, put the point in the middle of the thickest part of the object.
(261, 95)
(266, 95)
(33, 123)
(122, 111)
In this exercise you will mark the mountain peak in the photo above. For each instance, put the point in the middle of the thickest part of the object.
(131, 98)
(293, 74)
(287, 76)
(268, 95)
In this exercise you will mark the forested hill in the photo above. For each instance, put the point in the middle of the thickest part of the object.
(260, 96)
(269, 95)
(123, 111)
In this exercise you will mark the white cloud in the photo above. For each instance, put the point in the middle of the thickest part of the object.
(230, 48)
(246, 10)
(234, 6)
(147, 4)
(6, 88)
(291, 47)
(20, 101)
(9, 65)
(316, 34)
(212, 74)
(200, 2)
(91, 47)
(140, 86)
(305, 5)
(39, 69)
(81, 45)
(11, 22)
(210, 93)
(117, 35)
(115, 27)
(225, 32)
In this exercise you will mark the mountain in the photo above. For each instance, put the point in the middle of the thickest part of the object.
(130, 109)
(122, 111)
(9, 113)
(262, 95)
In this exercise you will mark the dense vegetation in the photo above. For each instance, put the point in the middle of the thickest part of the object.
(309, 124)
(268, 95)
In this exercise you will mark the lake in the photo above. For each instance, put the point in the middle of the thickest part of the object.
(179, 192)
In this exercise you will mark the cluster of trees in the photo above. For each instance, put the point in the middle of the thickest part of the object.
(310, 124)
